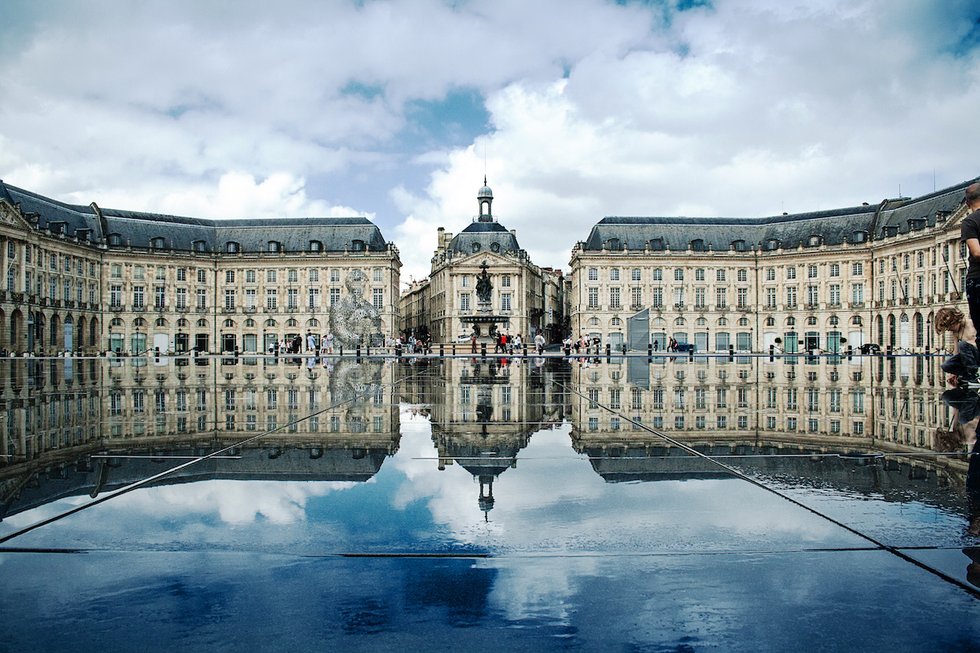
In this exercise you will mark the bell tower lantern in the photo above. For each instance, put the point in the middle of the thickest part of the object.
(485, 199)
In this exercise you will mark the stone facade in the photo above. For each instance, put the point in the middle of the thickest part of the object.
(449, 308)
(816, 281)
(86, 279)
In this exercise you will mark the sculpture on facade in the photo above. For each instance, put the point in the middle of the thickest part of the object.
(483, 285)
(354, 320)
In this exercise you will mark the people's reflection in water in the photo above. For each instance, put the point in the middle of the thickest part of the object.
(966, 406)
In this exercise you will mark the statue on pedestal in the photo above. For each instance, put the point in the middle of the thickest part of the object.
(483, 285)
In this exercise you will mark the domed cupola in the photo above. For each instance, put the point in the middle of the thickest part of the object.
(484, 198)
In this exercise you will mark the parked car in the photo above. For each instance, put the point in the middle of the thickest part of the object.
(465, 337)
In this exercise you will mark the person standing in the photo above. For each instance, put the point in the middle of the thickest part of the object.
(970, 234)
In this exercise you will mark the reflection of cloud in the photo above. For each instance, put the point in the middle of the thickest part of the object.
(233, 502)
(554, 501)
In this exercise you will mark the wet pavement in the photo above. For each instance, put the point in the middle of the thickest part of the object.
(626, 504)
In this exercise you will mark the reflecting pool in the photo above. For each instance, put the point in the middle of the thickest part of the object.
(631, 503)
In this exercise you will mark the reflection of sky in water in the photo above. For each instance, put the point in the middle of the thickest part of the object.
(575, 562)
(551, 501)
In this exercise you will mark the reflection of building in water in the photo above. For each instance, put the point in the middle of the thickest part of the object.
(810, 461)
(331, 423)
(841, 400)
(484, 412)
(47, 406)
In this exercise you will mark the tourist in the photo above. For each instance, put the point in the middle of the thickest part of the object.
(970, 234)
(539, 343)
(962, 365)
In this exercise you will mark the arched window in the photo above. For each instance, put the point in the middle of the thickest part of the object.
(770, 321)
(833, 320)
(857, 321)
(139, 322)
(229, 324)
(791, 321)
(291, 322)
(202, 323)
(679, 322)
(722, 321)
(313, 322)
(701, 321)
(161, 322)
(231, 247)
(270, 322)
(616, 322)
(593, 321)
(250, 323)
(743, 321)
(182, 322)
(811, 321)
(116, 322)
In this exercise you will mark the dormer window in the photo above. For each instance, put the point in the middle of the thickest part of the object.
(475, 247)
(697, 245)
(273, 247)
(814, 241)
(357, 245)
(890, 230)
(158, 243)
(613, 243)
(772, 245)
(231, 247)
(859, 237)
(738, 246)
(199, 246)
(657, 244)
(83, 234)
(115, 240)
(57, 227)
(915, 224)
(316, 246)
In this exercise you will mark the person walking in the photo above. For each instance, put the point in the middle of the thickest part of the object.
(539, 343)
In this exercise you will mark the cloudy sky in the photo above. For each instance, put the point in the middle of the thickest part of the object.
(575, 109)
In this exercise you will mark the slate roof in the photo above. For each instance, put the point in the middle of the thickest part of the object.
(486, 235)
(833, 227)
(138, 229)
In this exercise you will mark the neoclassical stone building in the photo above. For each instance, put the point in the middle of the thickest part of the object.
(810, 281)
(447, 304)
(83, 278)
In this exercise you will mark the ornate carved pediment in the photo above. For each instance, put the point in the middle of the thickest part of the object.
(10, 216)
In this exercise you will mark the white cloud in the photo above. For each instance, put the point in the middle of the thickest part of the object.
(595, 109)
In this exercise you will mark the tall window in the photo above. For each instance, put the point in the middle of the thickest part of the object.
(292, 298)
(658, 297)
(593, 274)
(271, 298)
(742, 297)
(202, 298)
(230, 299)
(115, 295)
(790, 296)
(721, 297)
(614, 298)
(593, 298)
(378, 298)
(464, 301)
(138, 297)
(636, 297)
